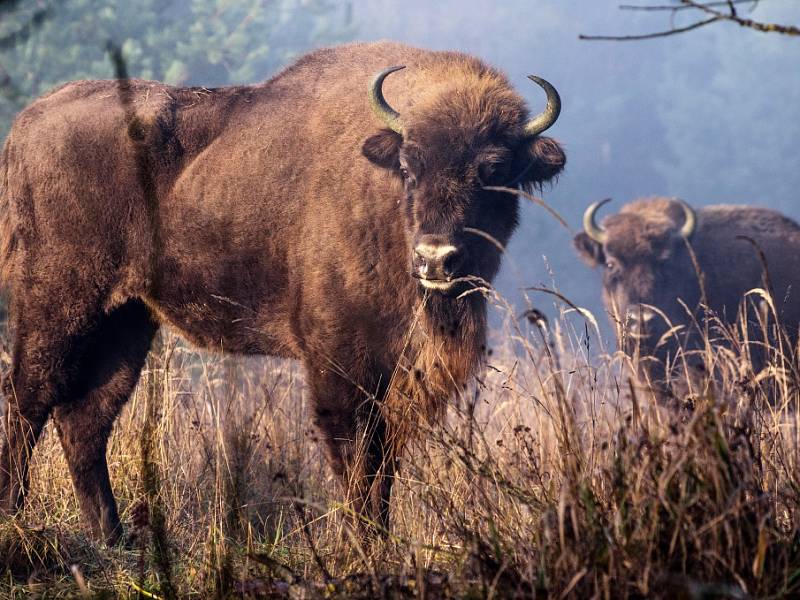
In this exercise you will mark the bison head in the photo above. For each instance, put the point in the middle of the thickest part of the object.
(451, 146)
(648, 274)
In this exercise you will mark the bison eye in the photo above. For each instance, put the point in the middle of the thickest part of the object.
(409, 179)
(611, 265)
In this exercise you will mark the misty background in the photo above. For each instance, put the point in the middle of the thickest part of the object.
(710, 116)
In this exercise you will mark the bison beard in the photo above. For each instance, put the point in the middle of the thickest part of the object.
(446, 348)
(249, 219)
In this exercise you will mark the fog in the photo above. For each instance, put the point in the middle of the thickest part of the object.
(710, 116)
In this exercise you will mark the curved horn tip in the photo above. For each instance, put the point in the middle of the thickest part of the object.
(389, 116)
(549, 115)
(389, 70)
(590, 226)
(690, 220)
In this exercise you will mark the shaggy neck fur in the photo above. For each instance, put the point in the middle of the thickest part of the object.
(446, 348)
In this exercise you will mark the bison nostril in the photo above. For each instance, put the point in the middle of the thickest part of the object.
(452, 262)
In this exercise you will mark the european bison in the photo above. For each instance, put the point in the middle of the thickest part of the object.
(306, 217)
(650, 278)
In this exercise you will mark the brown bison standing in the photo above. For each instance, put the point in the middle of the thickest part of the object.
(303, 218)
(650, 278)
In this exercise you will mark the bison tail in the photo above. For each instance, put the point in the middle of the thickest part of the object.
(8, 233)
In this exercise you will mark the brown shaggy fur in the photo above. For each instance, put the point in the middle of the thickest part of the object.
(646, 261)
(271, 219)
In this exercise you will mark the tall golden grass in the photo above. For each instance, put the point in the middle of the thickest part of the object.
(554, 476)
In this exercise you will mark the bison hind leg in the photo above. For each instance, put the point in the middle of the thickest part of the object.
(23, 424)
(45, 346)
(109, 371)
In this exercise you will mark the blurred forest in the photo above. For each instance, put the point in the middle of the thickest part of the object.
(710, 116)
(181, 42)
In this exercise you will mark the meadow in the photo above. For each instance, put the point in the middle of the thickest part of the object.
(554, 476)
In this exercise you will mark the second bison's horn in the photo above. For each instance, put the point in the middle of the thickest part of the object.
(590, 226)
(389, 116)
(689, 221)
(547, 117)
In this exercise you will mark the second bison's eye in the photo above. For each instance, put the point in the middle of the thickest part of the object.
(612, 266)
(490, 174)
(404, 173)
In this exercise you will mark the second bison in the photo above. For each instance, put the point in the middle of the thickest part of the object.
(660, 258)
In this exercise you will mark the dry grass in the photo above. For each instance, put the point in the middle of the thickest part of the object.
(552, 477)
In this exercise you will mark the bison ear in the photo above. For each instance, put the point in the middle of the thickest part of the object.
(590, 251)
(539, 160)
(383, 149)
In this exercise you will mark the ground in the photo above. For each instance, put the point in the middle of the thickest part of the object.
(554, 476)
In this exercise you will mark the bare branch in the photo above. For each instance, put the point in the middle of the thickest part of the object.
(677, 7)
(648, 36)
(734, 18)
(711, 8)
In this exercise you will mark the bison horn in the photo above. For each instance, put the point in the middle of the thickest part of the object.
(590, 226)
(380, 107)
(689, 221)
(546, 118)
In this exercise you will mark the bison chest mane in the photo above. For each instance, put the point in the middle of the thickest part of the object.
(441, 354)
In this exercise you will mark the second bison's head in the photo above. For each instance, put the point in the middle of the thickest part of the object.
(649, 279)
(465, 132)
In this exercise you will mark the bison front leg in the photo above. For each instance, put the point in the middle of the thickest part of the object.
(356, 436)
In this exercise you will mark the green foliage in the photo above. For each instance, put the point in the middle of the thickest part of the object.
(200, 42)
